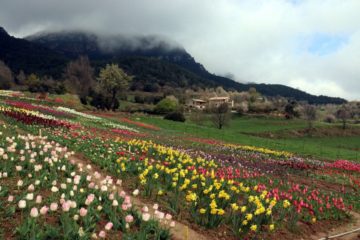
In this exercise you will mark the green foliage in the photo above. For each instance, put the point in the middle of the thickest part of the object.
(112, 80)
(290, 111)
(167, 105)
(175, 116)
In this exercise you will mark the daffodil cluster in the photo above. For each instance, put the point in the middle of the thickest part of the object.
(209, 199)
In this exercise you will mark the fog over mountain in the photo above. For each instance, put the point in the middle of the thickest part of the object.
(306, 44)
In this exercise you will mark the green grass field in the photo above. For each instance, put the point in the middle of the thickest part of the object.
(242, 130)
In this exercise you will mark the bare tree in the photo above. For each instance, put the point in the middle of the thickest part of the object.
(79, 77)
(197, 116)
(220, 115)
(309, 112)
(343, 114)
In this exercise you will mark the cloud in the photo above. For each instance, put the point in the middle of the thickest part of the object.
(308, 44)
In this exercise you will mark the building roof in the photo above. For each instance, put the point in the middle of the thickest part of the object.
(218, 98)
(199, 100)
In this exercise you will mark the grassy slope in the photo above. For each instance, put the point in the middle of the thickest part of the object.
(239, 129)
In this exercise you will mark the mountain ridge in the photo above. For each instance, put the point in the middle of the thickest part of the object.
(151, 60)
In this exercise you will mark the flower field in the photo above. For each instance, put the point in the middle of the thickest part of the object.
(219, 189)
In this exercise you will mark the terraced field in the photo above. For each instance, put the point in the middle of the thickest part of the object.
(67, 174)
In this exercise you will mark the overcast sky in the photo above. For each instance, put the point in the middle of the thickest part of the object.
(313, 45)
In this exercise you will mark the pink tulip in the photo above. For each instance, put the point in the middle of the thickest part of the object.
(53, 207)
(111, 196)
(168, 217)
(145, 209)
(66, 206)
(10, 198)
(38, 199)
(90, 198)
(108, 226)
(102, 234)
(91, 185)
(127, 200)
(129, 218)
(34, 212)
(122, 194)
(44, 210)
(31, 188)
(83, 212)
(146, 217)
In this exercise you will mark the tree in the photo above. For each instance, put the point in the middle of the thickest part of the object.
(113, 80)
(33, 82)
(290, 111)
(6, 77)
(21, 78)
(343, 114)
(220, 92)
(220, 115)
(197, 116)
(167, 105)
(79, 77)
(175, 116)
(253, 94)
(310, 114)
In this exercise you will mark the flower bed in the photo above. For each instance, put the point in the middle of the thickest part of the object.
(52, 198)
(32, 117)
(120, 126)
(344, 164)
(40, 108)
(73, 111)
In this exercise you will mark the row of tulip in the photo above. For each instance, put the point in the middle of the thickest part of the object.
(54, 198)
(199, 182)
(238, 147)
(37, 107)
(215, 195)
(33, 117)
(77, 113)
(10, 93)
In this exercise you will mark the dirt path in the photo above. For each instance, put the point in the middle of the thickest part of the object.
(179, 232)
(342, 229)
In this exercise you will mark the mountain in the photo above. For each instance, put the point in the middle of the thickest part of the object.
(20, 54)
(152, 60)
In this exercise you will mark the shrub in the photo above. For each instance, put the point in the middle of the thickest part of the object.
(330, 118)
(175, 116)
(102, 102)
(167, 105)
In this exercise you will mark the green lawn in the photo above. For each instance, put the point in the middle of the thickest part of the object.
(241, 128)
